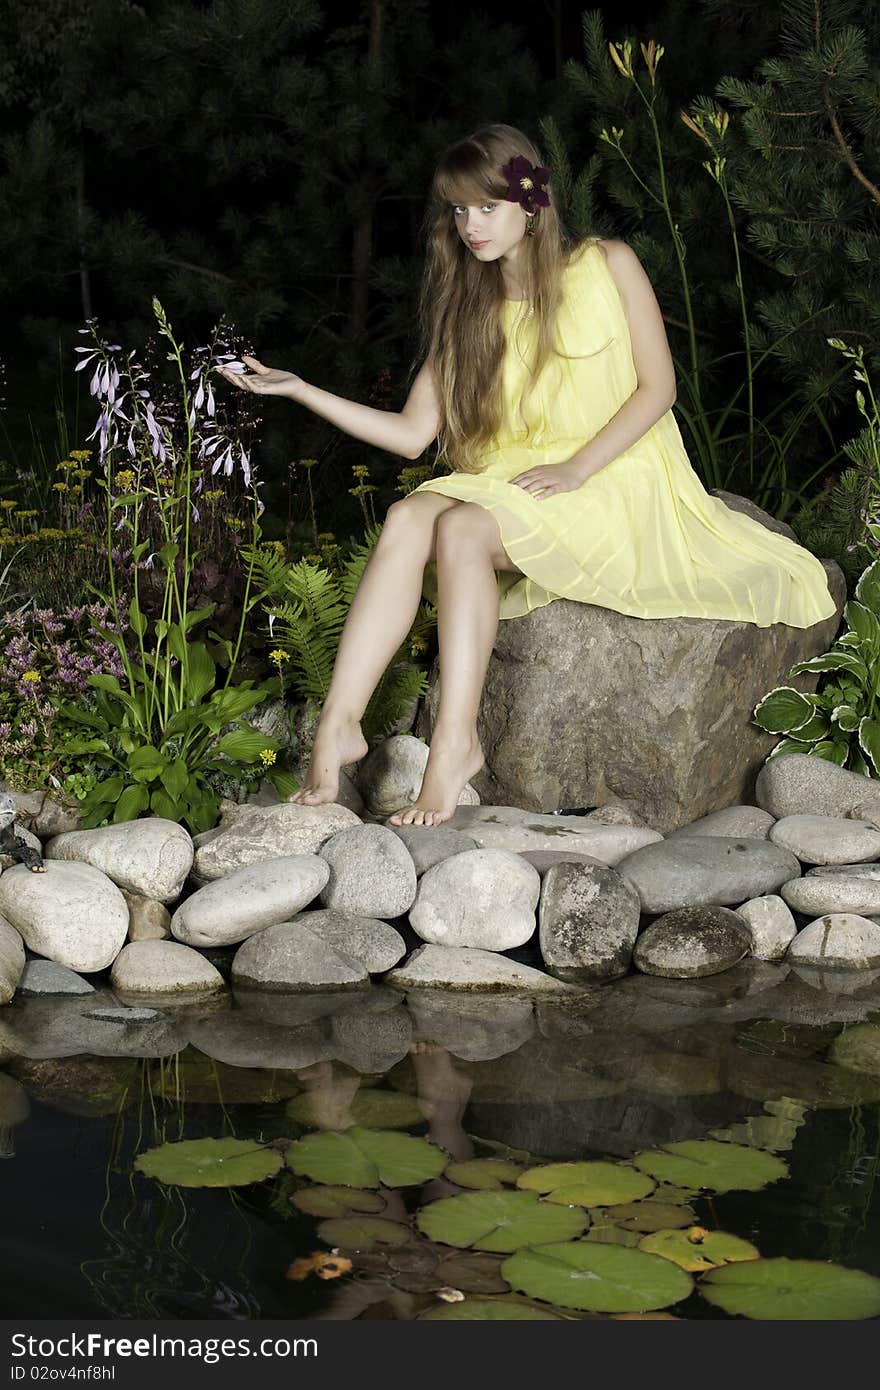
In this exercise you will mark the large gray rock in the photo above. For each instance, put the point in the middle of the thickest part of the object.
(70, 1025)
(251, 834)
(483, 898)
(588, 921)
(233, 908)
(371, 872)
(148, 919)
(467, 967)
(657, 713)
(827, 839)
(691, 942)
(289, 956)
(815, 894)
(390, 776)
(686, 871)
(163, 967)
(376, 944)
(12, 960)
(72, 913)
(151, 856)
(511, 828)
(796, 784)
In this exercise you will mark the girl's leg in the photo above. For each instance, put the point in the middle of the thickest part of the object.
(381, 614)
(469, 551)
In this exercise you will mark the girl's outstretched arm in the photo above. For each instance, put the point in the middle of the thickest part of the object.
(407, 432)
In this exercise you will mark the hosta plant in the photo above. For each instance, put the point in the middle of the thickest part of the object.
(841, 722)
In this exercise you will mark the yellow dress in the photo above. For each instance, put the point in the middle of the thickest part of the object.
(641, 535)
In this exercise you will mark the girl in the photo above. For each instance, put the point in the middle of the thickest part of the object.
(548, 378)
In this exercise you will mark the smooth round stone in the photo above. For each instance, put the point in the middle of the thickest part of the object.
(151, 856)
(430, 844)
(815, 895)
(160, 967)
(229, 909)
(371, 872)
(483, 898)
(736, 822)
(700, 869)
(289, 956)
(690, 942)
(377, 945)
(842, 940)
(794, 784)
(827, 839)
(588, 921)
(72, 913)
(770, 924)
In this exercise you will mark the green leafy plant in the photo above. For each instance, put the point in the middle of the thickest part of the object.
(170, 720)
(840, 723)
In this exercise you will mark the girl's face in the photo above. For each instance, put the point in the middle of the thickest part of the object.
(497, 228)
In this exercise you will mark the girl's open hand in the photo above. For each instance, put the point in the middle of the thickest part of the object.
(263, 381)
(549, 478)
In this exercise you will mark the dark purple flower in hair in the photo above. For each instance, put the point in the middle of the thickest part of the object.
(526, 183)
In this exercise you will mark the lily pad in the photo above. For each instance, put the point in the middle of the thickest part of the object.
(365, 1158)
(801, 1290)
(500, 1221)
(362, 1232)
(707, 1163)
(609, 1234)
(209, 1163)
(336, 1201)
(488, 1310)
(600, 1278)
(369, 1108)
(473, 1273)
(697, 1250)
(483, 1173)
(591, 1184)
(650, 1215)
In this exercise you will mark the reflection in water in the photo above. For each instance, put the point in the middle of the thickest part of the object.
(758, 1057)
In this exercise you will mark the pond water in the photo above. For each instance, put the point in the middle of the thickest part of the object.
(326, 1090)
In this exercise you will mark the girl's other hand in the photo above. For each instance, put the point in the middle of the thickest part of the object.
(547, 479)
(263, 381)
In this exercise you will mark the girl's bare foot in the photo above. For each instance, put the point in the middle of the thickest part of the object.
(338, 742)
(450, 765)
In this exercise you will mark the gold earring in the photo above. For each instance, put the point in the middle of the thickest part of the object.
(530, 226)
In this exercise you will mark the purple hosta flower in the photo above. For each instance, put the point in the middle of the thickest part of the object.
(29, 730)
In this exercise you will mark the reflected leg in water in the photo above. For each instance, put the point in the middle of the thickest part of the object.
(332, 1093)
(447, 1090)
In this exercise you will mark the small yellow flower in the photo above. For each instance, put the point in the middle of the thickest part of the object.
(60, 487)
(31, 677)
(26, 516)
(214, 495)
(83, 473)
(326, 536)
(125, 479)
(267, 756)
(236, 523)
(81, 454)
(307, 463)
(8, 504)
(278, 656)
(360, 470)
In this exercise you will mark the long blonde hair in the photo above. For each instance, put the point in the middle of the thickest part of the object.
(461, 300)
